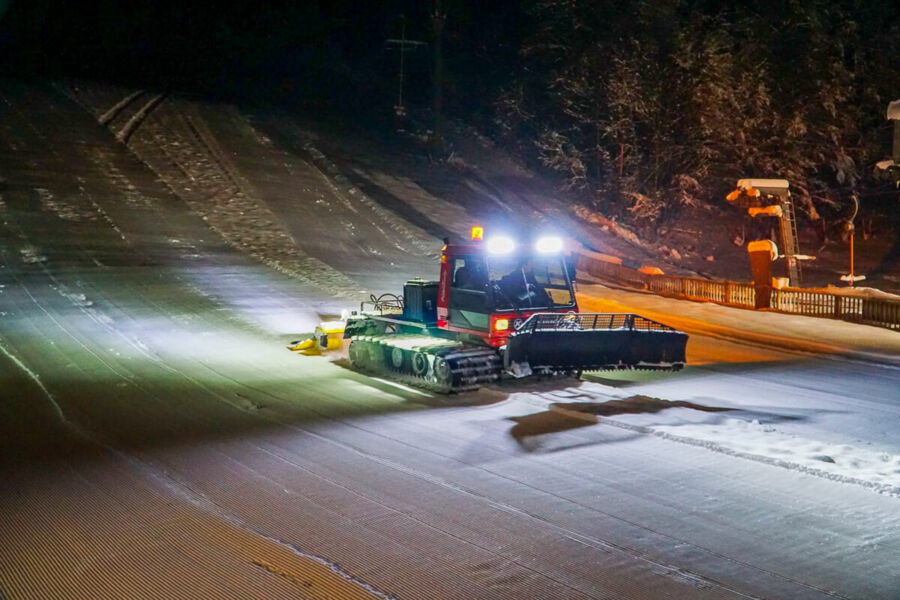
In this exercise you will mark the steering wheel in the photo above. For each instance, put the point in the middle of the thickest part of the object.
(498, 292)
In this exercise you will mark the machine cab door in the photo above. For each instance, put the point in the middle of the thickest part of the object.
(468, 304)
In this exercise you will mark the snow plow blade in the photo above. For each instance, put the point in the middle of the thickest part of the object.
(328, 336)
(553, 342)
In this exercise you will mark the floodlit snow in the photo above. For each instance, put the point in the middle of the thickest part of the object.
(157, 440)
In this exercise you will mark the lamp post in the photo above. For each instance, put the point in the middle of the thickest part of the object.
(850, 228)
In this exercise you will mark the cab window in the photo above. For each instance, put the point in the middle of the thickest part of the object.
(469, 273)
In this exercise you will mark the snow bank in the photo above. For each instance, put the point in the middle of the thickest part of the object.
(862, 292)
(750, 438)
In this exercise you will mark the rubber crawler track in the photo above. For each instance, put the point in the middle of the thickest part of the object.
(436, 364)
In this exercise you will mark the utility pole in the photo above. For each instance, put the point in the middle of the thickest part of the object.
(404, 45)
(438, 18)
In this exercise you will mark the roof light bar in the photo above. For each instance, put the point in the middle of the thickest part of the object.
(500, 245)
(548, 245)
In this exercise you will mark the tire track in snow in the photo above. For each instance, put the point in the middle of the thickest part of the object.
(351, 195)
(428, 474)
(52, 559)
(178, 146)
(669, 570)
(58, 324)
(40, 384)
(237, 210)
(153, 473)
(658, 566)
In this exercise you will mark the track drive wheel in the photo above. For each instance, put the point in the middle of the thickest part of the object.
(420, 364)
(442, 374)
(358, 354)
(398, 359)
(375, 357)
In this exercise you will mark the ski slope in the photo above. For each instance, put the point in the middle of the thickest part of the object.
(157, 440)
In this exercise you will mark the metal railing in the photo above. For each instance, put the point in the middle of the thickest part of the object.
(722, 292)
(859, 309)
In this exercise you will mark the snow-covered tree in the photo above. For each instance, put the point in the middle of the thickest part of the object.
(643, 107)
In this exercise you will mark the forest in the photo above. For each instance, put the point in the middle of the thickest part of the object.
(646, 107)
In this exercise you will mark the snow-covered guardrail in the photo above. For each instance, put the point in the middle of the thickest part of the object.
(722, 292)
(815, 303)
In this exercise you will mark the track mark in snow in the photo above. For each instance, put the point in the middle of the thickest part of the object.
(103, 214)
(677, 573)
(130, 194)
(65, 209)
(346, 191)
(304, 583)
(658, 567)
(79, 300)
(32, 255)
(209, 506)
(47, 393)
(177, 144)
(334, 568)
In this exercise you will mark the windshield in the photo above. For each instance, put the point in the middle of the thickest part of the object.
(525, 283)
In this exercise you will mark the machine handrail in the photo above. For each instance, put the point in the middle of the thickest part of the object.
(589, 322)
(385, 303)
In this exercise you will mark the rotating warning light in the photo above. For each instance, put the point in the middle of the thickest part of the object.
(500, 245)
(548, 245)
(478, 233)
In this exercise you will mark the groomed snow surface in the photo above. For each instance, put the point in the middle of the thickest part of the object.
(157, 440)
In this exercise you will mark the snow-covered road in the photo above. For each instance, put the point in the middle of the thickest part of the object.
(158, 441)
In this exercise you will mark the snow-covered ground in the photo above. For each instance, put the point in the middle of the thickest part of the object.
(158, 441)
(795, 414)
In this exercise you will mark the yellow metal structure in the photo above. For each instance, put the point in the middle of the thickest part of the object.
(767, 211)
(648, 270)
(327, 336)
(764, 246)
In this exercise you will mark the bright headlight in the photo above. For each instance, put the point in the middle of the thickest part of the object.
(548, 245)
(500, 245)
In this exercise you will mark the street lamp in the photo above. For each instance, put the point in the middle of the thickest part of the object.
(850, 228)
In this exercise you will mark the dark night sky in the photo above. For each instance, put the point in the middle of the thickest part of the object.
(306, 44)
